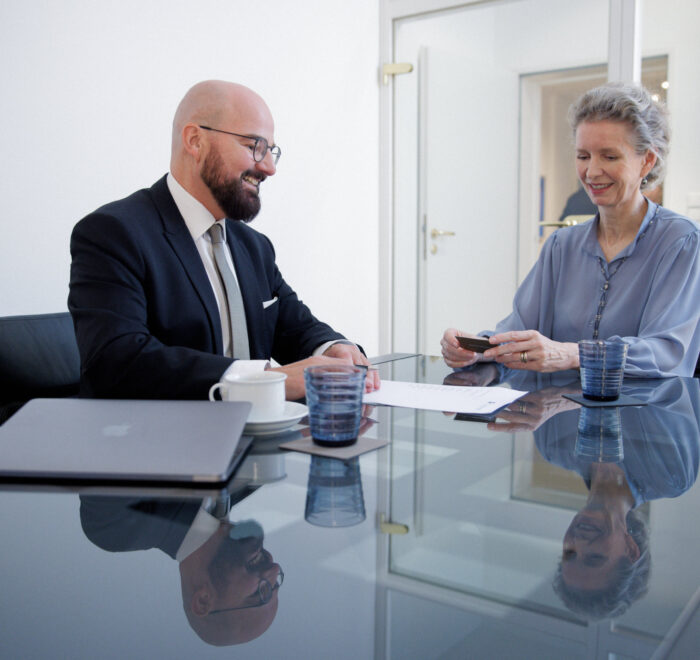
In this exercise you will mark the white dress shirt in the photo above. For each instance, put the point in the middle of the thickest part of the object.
(198, 220)
(203, 527)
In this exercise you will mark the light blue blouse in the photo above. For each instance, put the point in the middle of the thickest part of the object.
(652, 300)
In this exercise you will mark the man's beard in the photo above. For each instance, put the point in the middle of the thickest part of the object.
(236, 202)
(233, 553)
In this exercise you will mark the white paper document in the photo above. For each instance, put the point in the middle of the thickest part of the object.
(446, 398)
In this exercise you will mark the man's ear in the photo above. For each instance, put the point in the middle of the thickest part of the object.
(202, 601)
(193, 141)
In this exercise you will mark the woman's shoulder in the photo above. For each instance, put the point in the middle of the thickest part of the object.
(566, 237)
(675, 223)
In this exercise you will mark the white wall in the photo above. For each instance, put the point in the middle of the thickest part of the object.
(88, 94)
(669, 27)
(521, 37)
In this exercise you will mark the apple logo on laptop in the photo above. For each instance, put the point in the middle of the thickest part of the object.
(116, 430)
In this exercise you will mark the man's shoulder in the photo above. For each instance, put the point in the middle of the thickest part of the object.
(133, 210)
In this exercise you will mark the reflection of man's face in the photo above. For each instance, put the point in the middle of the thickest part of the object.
(593, 546)
(224, 606)
(238, 566)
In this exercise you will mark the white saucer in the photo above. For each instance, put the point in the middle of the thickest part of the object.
(293, 412)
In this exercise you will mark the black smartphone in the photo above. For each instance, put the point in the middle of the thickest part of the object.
(477, 345)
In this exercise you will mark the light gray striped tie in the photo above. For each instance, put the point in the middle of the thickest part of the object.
(237, 323)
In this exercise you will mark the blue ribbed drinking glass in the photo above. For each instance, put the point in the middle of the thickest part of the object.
(602, 368)
(334, 396)
(334, 496)
(599, 436)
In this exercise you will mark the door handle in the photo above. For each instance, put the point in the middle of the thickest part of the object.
(566, 223)
(434, 233)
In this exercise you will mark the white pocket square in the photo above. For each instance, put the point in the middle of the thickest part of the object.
(267, 303)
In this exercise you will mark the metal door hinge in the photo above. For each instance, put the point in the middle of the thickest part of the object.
(395, 69)
(388, 527)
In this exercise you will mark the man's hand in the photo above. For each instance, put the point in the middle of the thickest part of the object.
(294, 385)
(366, 423)
(351, 353)
(294, 388)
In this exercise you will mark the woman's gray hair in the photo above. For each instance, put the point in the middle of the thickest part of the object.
(629, 580)
(632, 105)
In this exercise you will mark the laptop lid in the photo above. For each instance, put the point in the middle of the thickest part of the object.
(134, 441)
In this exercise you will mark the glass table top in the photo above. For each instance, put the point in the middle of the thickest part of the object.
(550, 531)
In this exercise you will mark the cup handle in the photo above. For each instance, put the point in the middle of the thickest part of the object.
(213, 389)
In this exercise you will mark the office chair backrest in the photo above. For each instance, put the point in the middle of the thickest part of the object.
(38, 357)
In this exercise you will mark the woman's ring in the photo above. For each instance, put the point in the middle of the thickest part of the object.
(523, 357)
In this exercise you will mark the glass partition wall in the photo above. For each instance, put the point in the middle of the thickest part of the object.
(479, 151)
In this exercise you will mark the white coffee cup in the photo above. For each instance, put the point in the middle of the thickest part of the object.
(264, 389)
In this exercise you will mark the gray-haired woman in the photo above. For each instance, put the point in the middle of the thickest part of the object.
(632, 272)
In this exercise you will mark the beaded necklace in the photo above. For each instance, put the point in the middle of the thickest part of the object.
(607, 278)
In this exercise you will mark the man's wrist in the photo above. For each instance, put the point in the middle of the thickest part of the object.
(242, 367)
(320, 350)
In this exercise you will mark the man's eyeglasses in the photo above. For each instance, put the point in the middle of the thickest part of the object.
(264, 594)
(259, 150)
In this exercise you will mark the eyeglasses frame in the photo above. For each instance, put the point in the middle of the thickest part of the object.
(263, 600)
(274, 150)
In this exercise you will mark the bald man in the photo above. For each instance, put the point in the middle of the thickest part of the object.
(223, 565)
(147, 299)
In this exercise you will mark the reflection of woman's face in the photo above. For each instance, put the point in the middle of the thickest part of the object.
(593, 547)
(607, 164)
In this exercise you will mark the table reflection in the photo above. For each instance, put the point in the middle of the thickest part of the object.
(625, 457)
(606, 560)
(229, 581)
(334, 495)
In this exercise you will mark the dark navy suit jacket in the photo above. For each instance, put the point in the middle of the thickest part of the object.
(144, 311)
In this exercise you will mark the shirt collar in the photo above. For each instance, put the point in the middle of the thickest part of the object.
(196, 216)
(203, 527)
(591, 245)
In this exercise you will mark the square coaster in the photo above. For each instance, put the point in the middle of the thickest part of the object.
(622, 400)
(362, 446)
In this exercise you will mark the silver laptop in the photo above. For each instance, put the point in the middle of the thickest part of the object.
(95, 440)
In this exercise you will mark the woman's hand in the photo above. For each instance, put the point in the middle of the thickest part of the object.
(480, 376)
(528, 349)
(455, 356)
(531, 411)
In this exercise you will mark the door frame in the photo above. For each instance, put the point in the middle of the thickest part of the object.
(624, 63)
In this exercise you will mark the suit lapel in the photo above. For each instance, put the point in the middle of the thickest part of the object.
(179, 238)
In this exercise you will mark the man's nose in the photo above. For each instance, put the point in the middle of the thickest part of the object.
(267, 165)
(271, 573)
